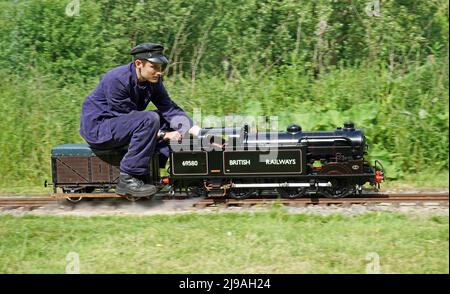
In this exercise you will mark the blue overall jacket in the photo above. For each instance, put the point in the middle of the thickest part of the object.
(119, 93)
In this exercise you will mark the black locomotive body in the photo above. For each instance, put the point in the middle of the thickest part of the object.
(236, 163)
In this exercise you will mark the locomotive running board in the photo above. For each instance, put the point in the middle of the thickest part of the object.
(281, 185)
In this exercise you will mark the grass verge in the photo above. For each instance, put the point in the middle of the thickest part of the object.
(263, 242)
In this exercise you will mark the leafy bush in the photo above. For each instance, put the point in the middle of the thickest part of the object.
(316, 63)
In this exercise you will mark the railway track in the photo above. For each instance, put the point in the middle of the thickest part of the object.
(26, 201)
(365, 199)
(388, 199)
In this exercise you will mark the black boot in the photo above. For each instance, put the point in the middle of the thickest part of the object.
(132, 186)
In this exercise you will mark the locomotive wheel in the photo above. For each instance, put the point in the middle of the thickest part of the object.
(291, 193)
(195, 191)
(338, 192)
(241, 193)
(339, 189)
(132, 198)
(171, 192)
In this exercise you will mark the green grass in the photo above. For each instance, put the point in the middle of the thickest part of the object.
(425, 179)
(264, 242)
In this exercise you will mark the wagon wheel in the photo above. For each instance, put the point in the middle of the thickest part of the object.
(291, 193)
(74, 191)
(74, 199)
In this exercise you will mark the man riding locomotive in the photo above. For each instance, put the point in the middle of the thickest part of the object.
(114, 116)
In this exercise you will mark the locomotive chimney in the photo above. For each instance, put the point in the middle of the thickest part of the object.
(349, 126)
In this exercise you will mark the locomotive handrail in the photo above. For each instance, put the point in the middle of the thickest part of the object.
(377, 162)
(325, 138)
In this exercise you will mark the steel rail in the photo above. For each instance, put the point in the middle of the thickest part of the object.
(396, 200)
(365, 198)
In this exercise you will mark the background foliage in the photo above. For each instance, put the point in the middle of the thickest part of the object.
(316, 63)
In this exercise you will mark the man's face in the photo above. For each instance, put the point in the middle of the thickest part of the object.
(149, 71)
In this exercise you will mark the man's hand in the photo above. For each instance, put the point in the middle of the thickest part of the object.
(175, 135)
(195, 131)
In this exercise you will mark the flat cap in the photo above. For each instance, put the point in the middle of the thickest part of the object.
(151, 52)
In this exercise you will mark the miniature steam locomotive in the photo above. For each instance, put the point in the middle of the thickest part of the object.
(236, 163)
